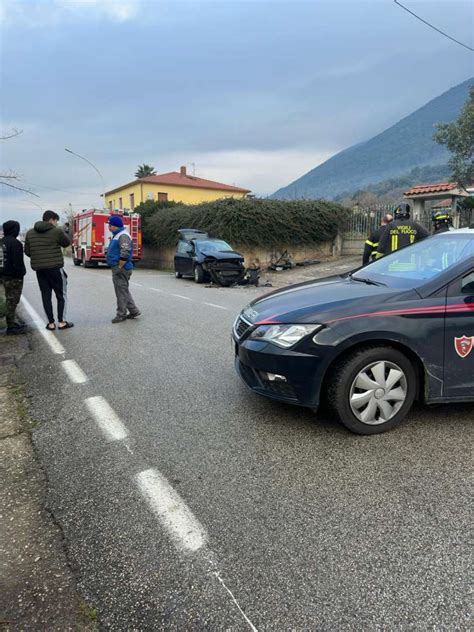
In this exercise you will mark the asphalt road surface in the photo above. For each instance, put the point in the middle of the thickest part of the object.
(189, 503)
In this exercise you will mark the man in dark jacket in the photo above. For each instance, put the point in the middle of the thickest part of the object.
(372, 243)
(13, 272)
(402, 232)
(43, 245)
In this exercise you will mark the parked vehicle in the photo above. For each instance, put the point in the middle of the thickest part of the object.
(91, 235)
(371, 342)
(206, 259)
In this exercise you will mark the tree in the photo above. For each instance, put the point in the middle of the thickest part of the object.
(7, 179)
(458, 137)
(144, 171)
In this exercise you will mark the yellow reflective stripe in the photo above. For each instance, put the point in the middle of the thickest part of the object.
(412, 238)
(394, 243)
(374, 244)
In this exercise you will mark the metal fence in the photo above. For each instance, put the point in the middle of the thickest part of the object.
(362, 221)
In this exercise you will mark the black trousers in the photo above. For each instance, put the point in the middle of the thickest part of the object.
(53, 280)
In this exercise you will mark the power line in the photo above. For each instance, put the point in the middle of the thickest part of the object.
(433, 27)
(43, 186)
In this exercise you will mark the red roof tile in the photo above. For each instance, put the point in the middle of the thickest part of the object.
(439, 187)
(174, 178)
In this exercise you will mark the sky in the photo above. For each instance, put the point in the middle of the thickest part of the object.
(251, 93)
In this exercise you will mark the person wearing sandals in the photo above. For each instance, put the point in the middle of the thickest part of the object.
(43, 244)
(119, 258)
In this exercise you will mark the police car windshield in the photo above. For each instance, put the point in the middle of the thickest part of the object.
(421, 262)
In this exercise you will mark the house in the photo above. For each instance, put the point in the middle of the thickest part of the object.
(174, 186)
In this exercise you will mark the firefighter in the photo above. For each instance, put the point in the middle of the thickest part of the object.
(442, 222)
(372, 243)
(402, 232)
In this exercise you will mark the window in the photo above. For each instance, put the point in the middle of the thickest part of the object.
(110, 206)
(120, 202)
(420, 262)
(184, 247)
(162, 197)
(467, 284)
(132, 201)
(149, 195)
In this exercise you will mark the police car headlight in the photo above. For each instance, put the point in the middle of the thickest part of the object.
(284, 335)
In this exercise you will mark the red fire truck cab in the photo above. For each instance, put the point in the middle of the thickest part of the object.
(91, 235)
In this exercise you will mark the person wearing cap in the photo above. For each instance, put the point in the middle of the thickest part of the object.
(119, 259)
(12, 274)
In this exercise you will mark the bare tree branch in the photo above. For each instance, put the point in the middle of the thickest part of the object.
(7, 184)
(14, 132)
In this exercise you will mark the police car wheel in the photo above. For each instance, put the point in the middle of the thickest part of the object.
(373, 390)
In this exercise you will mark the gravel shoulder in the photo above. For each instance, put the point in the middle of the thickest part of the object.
(37, 588)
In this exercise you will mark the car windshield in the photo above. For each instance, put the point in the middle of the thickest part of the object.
(419, 263)
(215, 245)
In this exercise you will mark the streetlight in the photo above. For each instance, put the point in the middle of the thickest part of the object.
(92, 165)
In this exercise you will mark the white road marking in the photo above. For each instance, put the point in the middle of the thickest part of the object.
(106, 418)
(172, 511)
(49, 337)
(74, 372)
(251, 625)
(186, 298)
(218, 306)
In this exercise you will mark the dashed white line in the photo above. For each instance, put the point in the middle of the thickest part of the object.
(182, 526)
(218, 306)
(49, 337)
(74, 372)
(106, 418)
(186, 298)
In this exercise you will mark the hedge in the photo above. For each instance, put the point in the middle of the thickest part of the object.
(249, 222)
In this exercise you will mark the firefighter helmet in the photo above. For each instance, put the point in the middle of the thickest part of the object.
(441, 217)
(402, 211)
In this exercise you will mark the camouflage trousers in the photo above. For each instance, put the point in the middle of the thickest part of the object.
(13, 289)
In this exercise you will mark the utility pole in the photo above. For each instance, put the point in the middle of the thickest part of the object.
(92, 165)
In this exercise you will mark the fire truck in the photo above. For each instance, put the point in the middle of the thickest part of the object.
(91, 235)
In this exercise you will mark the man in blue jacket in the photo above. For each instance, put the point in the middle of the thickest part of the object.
(119, 258)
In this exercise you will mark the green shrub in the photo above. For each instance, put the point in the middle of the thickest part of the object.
(250, 222)
(147, 210)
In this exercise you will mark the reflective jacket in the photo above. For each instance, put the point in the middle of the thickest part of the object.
(399, 234)
(371, 245)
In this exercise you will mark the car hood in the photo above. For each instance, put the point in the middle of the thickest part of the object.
(228, 255)
(323, 300)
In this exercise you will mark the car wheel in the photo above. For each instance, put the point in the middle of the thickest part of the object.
(178, 275)
(198, 273)
(77, 262)
(373, 389)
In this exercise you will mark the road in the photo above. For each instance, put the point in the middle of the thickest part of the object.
(188, 503)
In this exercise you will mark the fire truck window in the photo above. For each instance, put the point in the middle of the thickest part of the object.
(93, 224)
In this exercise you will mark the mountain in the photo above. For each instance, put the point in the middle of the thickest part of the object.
(393, 153)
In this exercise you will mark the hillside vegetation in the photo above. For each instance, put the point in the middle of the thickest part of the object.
(394, 153)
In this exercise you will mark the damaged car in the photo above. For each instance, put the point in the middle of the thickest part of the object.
(207, 259)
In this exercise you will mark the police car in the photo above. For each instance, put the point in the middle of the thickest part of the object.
(370, 342)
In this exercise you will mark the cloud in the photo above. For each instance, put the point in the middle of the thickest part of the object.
(39, 14)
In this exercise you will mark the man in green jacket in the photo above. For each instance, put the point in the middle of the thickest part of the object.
(43, 245)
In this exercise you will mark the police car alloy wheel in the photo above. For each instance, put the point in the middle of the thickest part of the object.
(373, 389)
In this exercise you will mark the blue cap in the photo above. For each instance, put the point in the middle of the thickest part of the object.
(116, 220)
